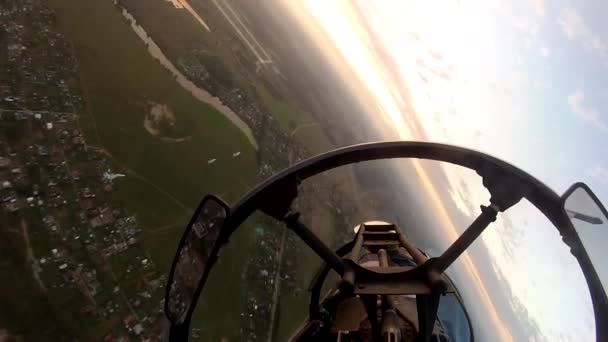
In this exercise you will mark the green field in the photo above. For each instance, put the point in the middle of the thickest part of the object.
(164, 180)
(121, 80)
(284, 111)
(224, 297)
(20, 296)
(179, 34)
(299, 124)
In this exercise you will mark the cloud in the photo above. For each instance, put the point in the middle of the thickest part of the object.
(510, 237)
(600, 173)
(585, 113)
(539, 7)
(519, 58)
(477, 134)
(461, 195)
(519, 77)
(575, 28)
(545, 52)
(526, 25)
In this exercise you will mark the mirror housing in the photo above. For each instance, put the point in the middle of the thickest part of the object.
(589, 218)
(195, 253)
(586, 220)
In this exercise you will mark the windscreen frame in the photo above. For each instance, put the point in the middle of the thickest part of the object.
(275, 195)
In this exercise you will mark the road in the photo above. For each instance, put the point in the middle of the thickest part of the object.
(133, 173)
(302, 126)
(82, 284)
(241, 29)
(35, 111)
(89, 111)
(199, 93)
(277, 276)
(189, 8)
(30, 255)
(277, 287)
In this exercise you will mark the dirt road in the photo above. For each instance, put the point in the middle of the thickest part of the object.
(30, 255)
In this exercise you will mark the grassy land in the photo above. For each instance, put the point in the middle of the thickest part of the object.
(20, 296)
(294, 308)
(315, 139)
(293, 120)
(157, 212)
(179, 34)
(284, 111)
(120, 81)
(224, 297)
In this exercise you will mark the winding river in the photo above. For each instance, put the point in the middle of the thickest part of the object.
(199, 93)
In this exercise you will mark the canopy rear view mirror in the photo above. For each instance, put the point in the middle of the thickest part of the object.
(192, 257)
(589, 219)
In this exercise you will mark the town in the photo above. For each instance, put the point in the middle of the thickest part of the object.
(57, 191)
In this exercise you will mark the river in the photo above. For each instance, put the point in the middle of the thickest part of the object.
(199, 93)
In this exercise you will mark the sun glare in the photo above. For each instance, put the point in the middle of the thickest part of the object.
(373, 52)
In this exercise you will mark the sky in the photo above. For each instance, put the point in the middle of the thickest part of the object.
(521, 80)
